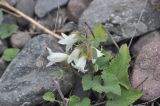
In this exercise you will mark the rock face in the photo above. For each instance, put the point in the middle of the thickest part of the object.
(12, 2)
(120, 16)
(26, 79)
(50, 21)
(27, 7)
(42, 7)
(146, 70)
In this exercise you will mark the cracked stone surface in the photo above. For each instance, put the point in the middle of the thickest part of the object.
(27, 78)
(146, 70)
(120, 16)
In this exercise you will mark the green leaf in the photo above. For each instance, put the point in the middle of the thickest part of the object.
(6, 30)
(73, 100)
(85, 102)
(88, 83)
(100, 35)
(119, 66)
(103, 61)
(128, 97)
(10, 53)
(49, 96)
(59, 74)
(111, 83)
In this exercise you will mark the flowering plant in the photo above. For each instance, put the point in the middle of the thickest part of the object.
(85, 54)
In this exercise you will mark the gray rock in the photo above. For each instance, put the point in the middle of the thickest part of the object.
(146, 70)
(76, 7)
(42, 7)
(19, 39)
(3, 66)
(51, 20)
(27, 78)
(9, 19)
(136, 48)
(12, 2)
(27, 7)
(120, 17)
(69, 27)
(3, 46)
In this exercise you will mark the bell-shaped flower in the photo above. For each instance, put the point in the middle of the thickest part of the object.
(99, 54)
(55, 57)
(80, 65)
(69, 41)
(74, 56)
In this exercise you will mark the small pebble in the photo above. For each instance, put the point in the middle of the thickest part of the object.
(76, 7)
(19, 39)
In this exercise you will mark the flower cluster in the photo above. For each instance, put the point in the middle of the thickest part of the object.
(76, 58)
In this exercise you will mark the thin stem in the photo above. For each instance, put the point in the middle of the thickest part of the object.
(60, 92)
(8, 6)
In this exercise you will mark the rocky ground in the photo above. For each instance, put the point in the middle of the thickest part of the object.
(26, 78)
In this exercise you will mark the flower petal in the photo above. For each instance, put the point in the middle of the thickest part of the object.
(99, 53)
(80, 65)
(74, 55)
(68, 41)
(55, 57)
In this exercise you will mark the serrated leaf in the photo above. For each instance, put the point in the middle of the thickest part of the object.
(111, 83)
(100, 35)
(85, 102)
(128, 97)
(6, 30)
(119, 66)
(59, 74)
(88, 83)
(10, 53)
(103, 61)
(49, 96)
(74, 100)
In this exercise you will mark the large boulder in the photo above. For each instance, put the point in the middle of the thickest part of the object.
(120, 17)
(146, 70)
(42, 7)
(27, 7)
(27, 78)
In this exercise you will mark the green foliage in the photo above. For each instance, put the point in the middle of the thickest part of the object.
(49, 96)
(119, 66)
(59, 74)
(100, 35)
(6, 30)
(128, 97)
(89, 83)
(114, 81)
(102, 62)
(107, 75)
(75, 101)
(10, 53)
